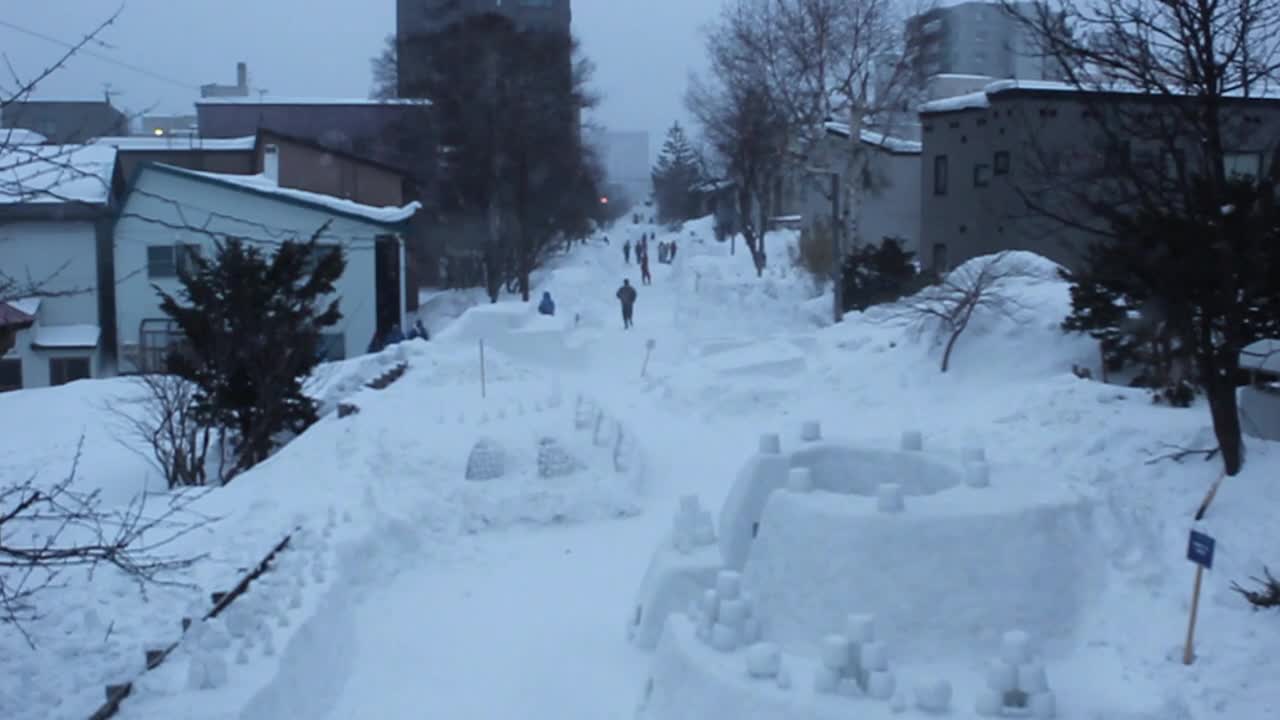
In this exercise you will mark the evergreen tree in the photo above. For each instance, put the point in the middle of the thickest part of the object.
(252, 324)
(879, 274)
(678, 172)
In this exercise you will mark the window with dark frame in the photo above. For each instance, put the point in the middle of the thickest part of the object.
(1000, 163)
(981, 175)
(333, 346)
(1242, 164)
(165, 261)
(1119, 156)
(68, 369)
(10, 374)
(940, 170)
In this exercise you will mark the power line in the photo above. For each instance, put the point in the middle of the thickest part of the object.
(105, 58)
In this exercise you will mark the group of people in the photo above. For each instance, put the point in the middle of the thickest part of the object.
(642, 256)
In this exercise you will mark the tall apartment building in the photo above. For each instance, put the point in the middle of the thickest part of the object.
(978, 38)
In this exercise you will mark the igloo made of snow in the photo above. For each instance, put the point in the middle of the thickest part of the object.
(946, 549)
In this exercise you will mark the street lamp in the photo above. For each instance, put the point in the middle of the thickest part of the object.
(837, 287)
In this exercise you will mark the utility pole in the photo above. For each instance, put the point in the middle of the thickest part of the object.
(837, 257)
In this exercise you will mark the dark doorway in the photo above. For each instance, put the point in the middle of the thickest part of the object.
(387, 283)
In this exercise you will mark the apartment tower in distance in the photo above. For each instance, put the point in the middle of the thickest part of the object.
(980, 39)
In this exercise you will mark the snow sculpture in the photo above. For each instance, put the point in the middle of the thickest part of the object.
(912, 441)
(977, 474)
(554, 460)
(811, 431)
(725, 615)
(1016, 683)
(889, 498)
(855, 662)
(800, 480)
(487, 461)
(242, 655)
(764, 660)
(584, 414)
(207, 671)
(934, 697)
(692, 527)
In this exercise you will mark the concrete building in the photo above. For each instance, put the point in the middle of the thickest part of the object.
(416, 17)
(65, 122)
(239, 90)
(977, 38)
(985, 153)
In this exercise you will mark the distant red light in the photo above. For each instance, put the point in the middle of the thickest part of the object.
(604, 201)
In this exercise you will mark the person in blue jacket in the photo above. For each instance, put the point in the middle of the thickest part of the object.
(547, 306)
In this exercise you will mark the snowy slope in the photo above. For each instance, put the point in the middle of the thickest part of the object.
(425, 608)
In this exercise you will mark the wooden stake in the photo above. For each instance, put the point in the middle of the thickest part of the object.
(1208, 498)
(1188, 652)
(482, 390)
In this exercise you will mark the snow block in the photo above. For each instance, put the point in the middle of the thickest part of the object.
(826, 680)
(989, 703)
(673, 582)
(724, 638)
(770, 444)
(860, 628)
(974, 454)
(555, 460)
(800, 480)
(1015, 648)
(764, 660)
(874, 656)
(487, 461)
(1044, 706)
(977, 474)
(1032, 679)
(881, 685)
(811, 431)
(1002, 677)
(728, 584)
(889, 498)
(733, 613)
(934, 697)
(835, 652)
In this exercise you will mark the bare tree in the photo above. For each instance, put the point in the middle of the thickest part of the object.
(1166, 87)
(69, 529)
(161, 424)
(949, 306)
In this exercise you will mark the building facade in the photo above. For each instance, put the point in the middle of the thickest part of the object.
(977, 38)
(65, 122)
(417, 17)
(1003, 168)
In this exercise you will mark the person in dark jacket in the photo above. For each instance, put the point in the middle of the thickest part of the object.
(627, 296)
(626, 252)
(671, 251)
(547, 306)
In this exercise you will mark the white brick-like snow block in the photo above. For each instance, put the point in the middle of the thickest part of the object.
(874, 656)
(734, 613)
(811, 431)
(977, 474)
(934, 697)
(800, 480)
(728, 584)
(1044, 706)
(1032, 678)
(1015, 647)
(724, 638)
(912, 441)
(487, 461)
(1002, 677)
(770, 444)
(860, 628)
(783, 679)
(889, 498)
(881, 685)
(711, 605)
(974, 453)
(826, 680)
(835, 652)
(764, 660)
(989, 703)
(751, 629)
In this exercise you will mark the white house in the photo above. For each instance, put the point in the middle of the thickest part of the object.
(56, 206)
(891, 197)
(170, 212)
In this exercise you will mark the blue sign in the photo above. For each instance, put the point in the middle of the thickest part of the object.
(1200, 550)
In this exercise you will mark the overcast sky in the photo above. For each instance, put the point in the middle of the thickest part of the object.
(643, 50)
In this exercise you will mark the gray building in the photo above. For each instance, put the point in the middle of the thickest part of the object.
(65, 122)
(977, 38)
(416, 17)
(1005, 168)
(239, 90)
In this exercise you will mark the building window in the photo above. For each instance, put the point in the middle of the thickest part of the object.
(981, 175)
(1242, 165)
(939, 258)
(940, 175)
(1173, 163)
(1001, 162)
(70, 369)
(333, 346)
(166, 261)
(158, 340)
(10, 374)
(1118, 157)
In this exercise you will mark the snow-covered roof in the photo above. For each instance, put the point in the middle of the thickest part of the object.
(56, 174)
(871, 137)
(21, 136)
(28, 305)
(18, 312)
(160, 143)
(968, 101)
(66, 336)
(283, 100)
(261, 184)
(981, 99)
(1261, 356)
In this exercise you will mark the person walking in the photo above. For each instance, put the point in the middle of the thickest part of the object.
(671, 251)
(626, 252)
(627, 296)
(645, 277)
